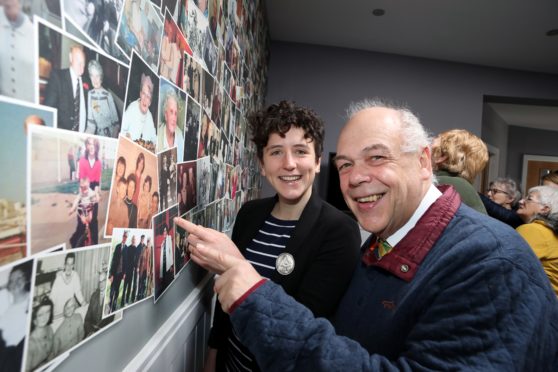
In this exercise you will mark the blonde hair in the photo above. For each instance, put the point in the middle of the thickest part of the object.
(465, 154)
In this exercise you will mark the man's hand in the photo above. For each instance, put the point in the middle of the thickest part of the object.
(238, 275)
(209, 238)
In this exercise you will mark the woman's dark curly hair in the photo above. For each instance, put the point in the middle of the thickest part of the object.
(278, 118)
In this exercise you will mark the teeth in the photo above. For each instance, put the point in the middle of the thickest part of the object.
(290, 178)
(370, 199)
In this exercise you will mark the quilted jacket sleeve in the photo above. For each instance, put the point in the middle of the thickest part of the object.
(516, 330)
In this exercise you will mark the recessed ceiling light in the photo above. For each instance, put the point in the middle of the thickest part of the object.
(553, 32)
(378, 12)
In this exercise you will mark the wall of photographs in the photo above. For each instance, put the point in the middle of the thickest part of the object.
(117, 116)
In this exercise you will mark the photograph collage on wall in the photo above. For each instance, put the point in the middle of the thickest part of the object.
(139, 111)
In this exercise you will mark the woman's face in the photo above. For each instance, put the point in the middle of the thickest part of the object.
(69, 308)
(43, 316)
(141, 165)
(96, 79)
(498, 194)
(90, 144)
(530, 206)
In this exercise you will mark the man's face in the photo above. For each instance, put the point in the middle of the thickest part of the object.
(171, 114)
(122, 189)
(133, 240)
(131, 189)
(124, 237)
(142, 239)
(77, 61)
(145, 99)
(380, 184)
(12, 8)
(154, 203)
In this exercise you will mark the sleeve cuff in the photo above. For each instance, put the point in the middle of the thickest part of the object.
(245, 295)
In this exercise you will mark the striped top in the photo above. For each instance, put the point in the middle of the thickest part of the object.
(262, 252)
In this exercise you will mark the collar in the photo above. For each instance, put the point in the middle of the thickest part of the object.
(405, 259)
(429, 198)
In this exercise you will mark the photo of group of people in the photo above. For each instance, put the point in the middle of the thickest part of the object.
(67, 303)
(130, 275)
(135, 183)
(120, 115)
(69, 181)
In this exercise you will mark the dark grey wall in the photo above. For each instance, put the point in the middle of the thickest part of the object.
(495, 132)
(526, 141)
(444, 95)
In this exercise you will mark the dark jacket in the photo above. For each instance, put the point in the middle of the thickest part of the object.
(59, 94)
(471, 296)
(324, 245)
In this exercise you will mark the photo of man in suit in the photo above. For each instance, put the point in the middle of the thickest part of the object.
(117, 271)
(65, 92)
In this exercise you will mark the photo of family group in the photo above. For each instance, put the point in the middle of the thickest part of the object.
(67, 303)
(69, 179)
(134, 193)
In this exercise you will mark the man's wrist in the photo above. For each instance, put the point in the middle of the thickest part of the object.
(245, 295)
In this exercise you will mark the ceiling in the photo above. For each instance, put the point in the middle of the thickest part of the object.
(507, 34)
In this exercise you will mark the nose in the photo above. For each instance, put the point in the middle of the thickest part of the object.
(289, 161)
(358, 176)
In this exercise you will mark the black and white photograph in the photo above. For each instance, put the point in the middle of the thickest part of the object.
(193, 75)
(67, 303)
(191, 135)
(181, 253)
(167, 178)
(15, 298)
(204, 178)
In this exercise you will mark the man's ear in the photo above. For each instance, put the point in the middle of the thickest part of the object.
(425, 161)
(262, 170)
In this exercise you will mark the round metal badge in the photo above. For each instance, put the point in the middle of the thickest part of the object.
(285, 264)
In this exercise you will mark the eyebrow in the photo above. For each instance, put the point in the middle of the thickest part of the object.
(377, 146)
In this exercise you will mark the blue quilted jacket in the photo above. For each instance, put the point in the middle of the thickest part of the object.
(478, 300)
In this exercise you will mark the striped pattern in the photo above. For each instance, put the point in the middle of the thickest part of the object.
(262, 252)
